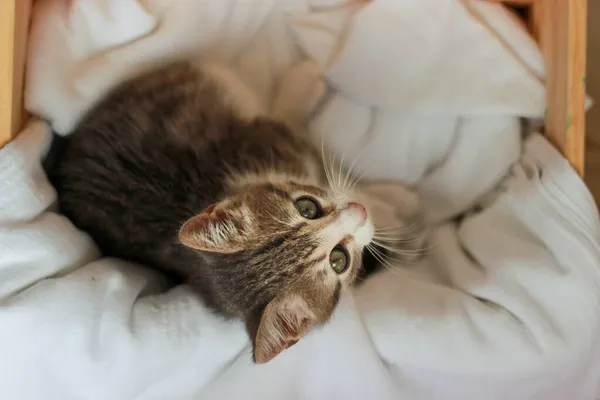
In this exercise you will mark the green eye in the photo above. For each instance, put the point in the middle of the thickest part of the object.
(308, 208)
(338, 258)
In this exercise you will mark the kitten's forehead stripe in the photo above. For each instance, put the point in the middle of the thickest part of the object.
(312, 190)
(316, 261)
(279, 192)
(320, 258)
(276, 242)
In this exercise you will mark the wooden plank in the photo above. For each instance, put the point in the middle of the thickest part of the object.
(14, 27)
(561, 29)
(513, 2)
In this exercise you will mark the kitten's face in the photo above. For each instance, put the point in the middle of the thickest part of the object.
(282, 254)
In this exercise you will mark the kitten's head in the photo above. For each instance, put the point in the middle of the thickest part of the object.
(280, 256)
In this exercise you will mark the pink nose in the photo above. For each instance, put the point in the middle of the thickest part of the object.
(356, 207)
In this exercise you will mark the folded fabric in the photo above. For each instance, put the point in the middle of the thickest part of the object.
(510, 313)
(517, 316)
(68, 69)
(66, 315)
(422, 56)
(62, 84)
(442, 156)
(66, 33)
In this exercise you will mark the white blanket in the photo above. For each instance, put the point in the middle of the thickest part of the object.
(512, 312)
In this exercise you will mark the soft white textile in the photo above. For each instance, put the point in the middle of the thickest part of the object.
(511, 314)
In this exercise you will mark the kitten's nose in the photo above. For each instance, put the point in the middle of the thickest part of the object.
(358, 208)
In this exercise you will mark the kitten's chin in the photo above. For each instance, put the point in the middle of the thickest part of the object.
(364, 234)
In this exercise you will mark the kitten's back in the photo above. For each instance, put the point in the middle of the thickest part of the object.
(159, 149)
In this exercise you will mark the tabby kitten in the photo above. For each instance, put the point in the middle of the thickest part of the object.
(182, 169)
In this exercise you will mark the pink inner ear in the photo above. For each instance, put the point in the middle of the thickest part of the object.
(292, 333)
(280, 336)
(216, 215)
(216, 229)
(219, 215)
(191, 233)
(282, 325)
(288, 329)
(209, 209)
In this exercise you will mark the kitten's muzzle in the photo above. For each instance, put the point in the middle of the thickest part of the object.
(358, 209)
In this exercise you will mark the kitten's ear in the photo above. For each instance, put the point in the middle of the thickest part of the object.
(282, 324)
(219, 228)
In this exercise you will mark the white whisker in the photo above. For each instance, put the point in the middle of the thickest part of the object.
(341, 171)
(395, 229)
(328, 172)
(348, 177)
(356, 180)
(385, 263)
(274, 218)
(396, 239)
(353, 182)
(402, 252)
(346, 180)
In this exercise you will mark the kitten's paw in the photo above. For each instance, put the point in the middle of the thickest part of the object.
(301, 88)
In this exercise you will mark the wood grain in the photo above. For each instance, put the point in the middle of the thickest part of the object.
(561, 29)
(14, 27)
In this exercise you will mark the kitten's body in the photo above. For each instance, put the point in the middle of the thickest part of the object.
(157, 152)
(183, 169)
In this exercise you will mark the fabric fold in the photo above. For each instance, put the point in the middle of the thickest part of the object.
(74, 324)
(503, 307)
(426, 57)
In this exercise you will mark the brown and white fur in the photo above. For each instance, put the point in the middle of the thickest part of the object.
(184, 170)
